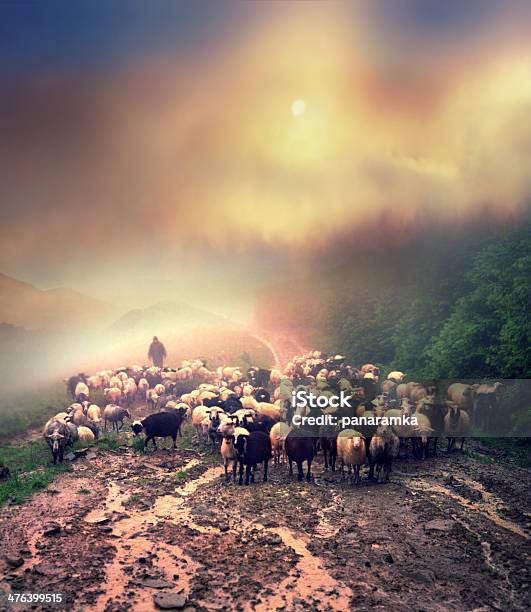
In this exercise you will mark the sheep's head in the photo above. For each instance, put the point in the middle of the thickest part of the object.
(55, 437)
(137, 427)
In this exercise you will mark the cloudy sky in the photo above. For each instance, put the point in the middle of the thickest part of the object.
(155, 149)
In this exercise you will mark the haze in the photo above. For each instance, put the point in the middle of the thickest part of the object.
(149, 152)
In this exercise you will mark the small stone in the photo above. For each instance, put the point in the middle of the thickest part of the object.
(14, 560)
(51, 529)
(439, 525)
(169, 600)
(389, 558)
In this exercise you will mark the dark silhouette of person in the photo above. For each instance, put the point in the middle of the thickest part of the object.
(157, 352)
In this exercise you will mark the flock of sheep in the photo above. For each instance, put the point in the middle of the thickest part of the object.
(249, 417)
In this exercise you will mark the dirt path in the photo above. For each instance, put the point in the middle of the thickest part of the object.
(444, 534)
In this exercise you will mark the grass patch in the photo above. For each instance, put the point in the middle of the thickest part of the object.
(514, 450)
(109, 442)
(31, 470)
(84, 491)
(479, 457)
(138, 444)
(180, 475)
(133, 499)
(188, 432)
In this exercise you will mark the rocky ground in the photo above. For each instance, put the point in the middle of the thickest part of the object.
(125, 531)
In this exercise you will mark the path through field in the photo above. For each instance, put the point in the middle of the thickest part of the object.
(125, 531)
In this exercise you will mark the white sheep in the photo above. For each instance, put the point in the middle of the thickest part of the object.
(85, 434)
(94, 413)
(278, 434)
(351, 452)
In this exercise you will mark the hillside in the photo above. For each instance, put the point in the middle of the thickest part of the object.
(166, 317)
(24, 305)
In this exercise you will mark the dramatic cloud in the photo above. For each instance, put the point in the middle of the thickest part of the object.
(412, 114)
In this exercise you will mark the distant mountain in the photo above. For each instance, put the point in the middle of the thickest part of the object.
(23, 305)
(167, 317)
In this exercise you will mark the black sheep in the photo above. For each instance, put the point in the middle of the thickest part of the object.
(299, 448)
(71, 383)
(262, 395)
(251, 450)
(160, 425)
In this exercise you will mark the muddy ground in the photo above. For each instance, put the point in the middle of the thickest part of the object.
(125, 531)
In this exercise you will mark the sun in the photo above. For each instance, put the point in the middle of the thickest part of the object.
(298, 108)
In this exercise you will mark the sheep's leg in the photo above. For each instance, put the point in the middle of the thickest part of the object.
(290, 467)
(300, 473)
(462, 443)
(265, 469)
(309, 473)
(240, 481)
(342, 469)
(325, 454)
(226, 470)
(234, 470)
(247, 473)
(174, 438)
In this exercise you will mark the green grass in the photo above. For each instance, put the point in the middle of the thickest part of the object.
(109, 442)
(138, 444)
(83, 491)
(31, 471)
(132, 500)
(517, 450)
(179, 476)
(479, 457)
(188, 432)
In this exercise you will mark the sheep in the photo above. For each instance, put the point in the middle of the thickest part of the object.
(463, 395)
(456, 425)
(73, 407)
(61, 416)
(251, 449)
(228, 453)
(142, 387)
(58, 436)
(416, 391)
(116, 382)
(116, 415)
(278, 434)
(152, 399)
(249, 402)
(94, 382)
(198, 416)
(85, 434)
(299, 447)
(130, 390)
(81, 392)
(422, 433)
(112, 395)
(351, 452)
(269, 410)
(94, 413)
(71, 383)
(486, 404)
(396, 376)
(328, 444)
(435, 410)
(401, 391)
(78, 417)
(383, 448)
(161, 425)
